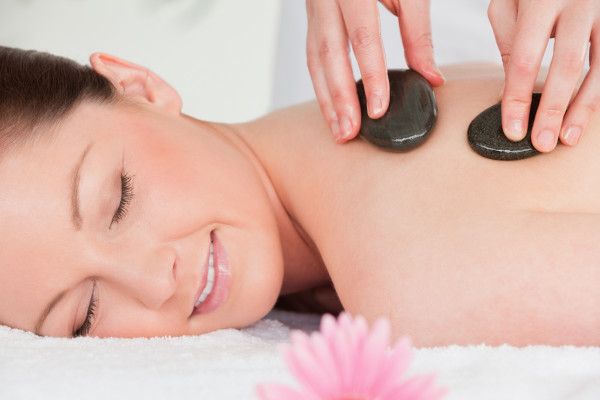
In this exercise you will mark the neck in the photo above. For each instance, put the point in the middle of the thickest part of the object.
(303, 266)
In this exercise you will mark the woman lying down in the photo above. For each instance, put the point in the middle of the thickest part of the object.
(120, 216)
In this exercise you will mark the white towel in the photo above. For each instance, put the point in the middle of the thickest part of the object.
(227, 364)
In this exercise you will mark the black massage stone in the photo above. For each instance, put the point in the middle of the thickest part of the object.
(487, 138)
(409, 118)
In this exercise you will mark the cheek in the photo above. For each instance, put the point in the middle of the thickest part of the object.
(199, 180)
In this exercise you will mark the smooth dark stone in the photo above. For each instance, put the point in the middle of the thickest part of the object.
(410, 117)
(487, 138)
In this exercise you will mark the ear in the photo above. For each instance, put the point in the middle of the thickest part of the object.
(137, 82)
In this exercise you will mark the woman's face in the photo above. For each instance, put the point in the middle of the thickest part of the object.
(115, 214)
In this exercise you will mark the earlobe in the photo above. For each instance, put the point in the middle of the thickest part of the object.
(137, 82)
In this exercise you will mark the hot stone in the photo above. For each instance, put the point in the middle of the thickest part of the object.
(487, 138)
(409, 118)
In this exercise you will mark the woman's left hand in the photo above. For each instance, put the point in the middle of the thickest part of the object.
(522, 29)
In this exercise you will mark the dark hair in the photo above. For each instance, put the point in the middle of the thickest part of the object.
(39, 89)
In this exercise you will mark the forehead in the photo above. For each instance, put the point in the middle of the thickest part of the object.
(33, 176)
(36, 179)
(35, 229)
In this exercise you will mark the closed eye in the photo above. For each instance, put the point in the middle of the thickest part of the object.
(85, 327)
(126, 197)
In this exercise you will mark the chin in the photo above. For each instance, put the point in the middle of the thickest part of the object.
(258, 307)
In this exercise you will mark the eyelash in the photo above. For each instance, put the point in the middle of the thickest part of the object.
(126, 197)
(84, 329)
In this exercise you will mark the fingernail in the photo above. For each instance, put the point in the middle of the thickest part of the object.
(345, 127)
(546, 140)
(439, 72)
(571, 135)
(515, 129)
(435, 73)
(375, 106)
(335, 129)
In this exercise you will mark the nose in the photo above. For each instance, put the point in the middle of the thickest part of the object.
(148, 276)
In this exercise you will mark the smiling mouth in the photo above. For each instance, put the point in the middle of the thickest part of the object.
(218, 279)
(210, 280)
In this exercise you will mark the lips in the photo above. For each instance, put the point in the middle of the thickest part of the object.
(216, 279)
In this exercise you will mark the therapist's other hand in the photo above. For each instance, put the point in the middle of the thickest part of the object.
(522, 29)
(331, 23)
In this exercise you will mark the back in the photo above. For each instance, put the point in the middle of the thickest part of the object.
(453, 247)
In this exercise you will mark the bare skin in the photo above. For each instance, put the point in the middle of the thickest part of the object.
(453, 247)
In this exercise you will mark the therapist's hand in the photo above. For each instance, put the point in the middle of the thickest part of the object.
(522, 29)
(330, 24)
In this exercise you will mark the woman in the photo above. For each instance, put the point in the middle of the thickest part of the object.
(116, 210)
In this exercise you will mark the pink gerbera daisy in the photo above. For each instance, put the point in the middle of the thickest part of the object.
(346, 361)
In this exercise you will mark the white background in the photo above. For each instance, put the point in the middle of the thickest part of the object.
(216, 53)
(231, 60)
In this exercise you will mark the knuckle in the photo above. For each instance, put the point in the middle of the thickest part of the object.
(363, 38)
(571, 62)
(551, 112)
(593, 105)
(329, 50)
(338, 95)
(371, 78)
(424, 40)
(517, 103)
(523, 63)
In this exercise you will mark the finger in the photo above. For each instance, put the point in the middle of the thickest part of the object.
(570, 45)
(503, 18)
(332, 51)
(534, 26)
(586, 103)
(362, 24)
(415, 28)
(317, 75)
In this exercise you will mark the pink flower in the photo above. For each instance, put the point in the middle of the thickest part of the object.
(346, 361)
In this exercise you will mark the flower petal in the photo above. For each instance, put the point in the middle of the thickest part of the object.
(324, 353)
(373, 356)
(343, 351)
(394, 367)
(328, 326)
(306, 366)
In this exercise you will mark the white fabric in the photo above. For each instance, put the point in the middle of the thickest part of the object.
(228, 364)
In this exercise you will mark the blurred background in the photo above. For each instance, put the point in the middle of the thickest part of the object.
(216, 53)
(231, 60)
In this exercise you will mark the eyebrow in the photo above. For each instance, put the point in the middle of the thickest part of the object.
(76, 221)
(75, 209)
